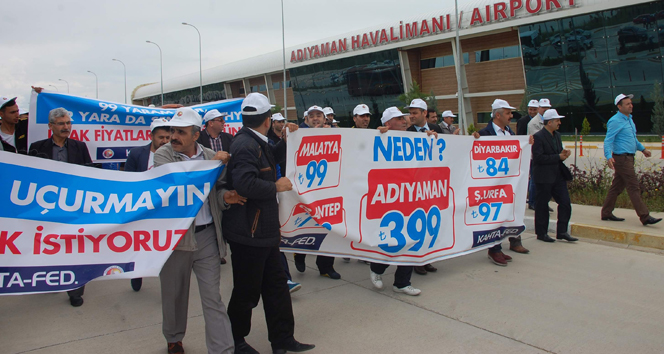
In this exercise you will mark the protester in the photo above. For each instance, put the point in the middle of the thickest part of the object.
(213, 136)
(141, 159)
(13, 129)
(447, 125)
(536, 123)
(60, 148)
(253, 232)
(276, 131)
(499, 126)
(620, 146)
(417, 109)
(199, 249)
(522, 123)
(550, 175)
(432, 116)
(325, 264)
(329, 116)
(361, 116)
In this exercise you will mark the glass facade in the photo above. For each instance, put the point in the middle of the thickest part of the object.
(441, 62)
(582, 63)
(190, 97)
(497, 54)
(373, 79)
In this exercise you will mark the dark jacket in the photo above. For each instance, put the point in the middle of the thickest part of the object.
(488, 130)
(137, 160)
(274, 140)
(252, 173)
(547, 166)
(77, 151)
(20, 138)
(434, 127)
(522, 125)
(226, 139)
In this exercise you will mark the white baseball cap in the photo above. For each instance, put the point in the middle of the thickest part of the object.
(159, 122)
(185, 117)
(544, 102)
(418, 103)
(448, 114)
(328, 110)
(212, 114)
(151, 106)
(4, 100)
(498, 103)
(533, 103)
(551, 114)
(278, 116)
(257, 101)
(621, 97)
(22, 112)
(361, 109)
(315, 108)
(391, 112)
(334, 120)
(306, 113)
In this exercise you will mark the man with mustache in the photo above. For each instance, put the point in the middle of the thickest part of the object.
(60, 148)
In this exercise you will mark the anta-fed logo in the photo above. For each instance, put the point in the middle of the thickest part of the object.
(495, 159)
(489, 205)
(407, 210)
(108, 153)
(321, 214)
(113, 270)
(318, 163)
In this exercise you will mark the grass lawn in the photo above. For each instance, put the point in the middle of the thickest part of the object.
(642, 138)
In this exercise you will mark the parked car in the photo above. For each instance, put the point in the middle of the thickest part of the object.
(645, 19)
(580, 32)
(631, 34)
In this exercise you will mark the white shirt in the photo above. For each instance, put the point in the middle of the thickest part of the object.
(8, 138)
(204, 215)
(151, 160)
(263, 137)
(425, 127)
(499, 131)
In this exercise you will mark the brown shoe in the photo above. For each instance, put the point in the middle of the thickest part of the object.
(507, 258)
(430, 268)
(497, 258)
(516, 246)
(420, 270)
(175, 348)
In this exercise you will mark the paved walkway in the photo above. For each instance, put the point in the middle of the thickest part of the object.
(589, 297)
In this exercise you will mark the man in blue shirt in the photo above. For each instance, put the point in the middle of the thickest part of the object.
(620, 146)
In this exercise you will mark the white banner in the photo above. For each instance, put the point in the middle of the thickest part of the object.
(62, 225)
(401, 197)
(111, 129)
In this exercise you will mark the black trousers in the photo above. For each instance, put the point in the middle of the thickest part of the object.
(284, 262)
(76, 292)
(325, 264)
(557, 190)
(258, 271)
(401, 276)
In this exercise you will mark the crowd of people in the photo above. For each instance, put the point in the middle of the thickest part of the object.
(242, 208)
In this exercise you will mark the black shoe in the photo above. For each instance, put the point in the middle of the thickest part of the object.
(566, 237)
(76, 301)
(420, 270)
(651, 221)
(550, 210)
(244, 348)
(294, 346)
(136, 284)
(223, 261)
(300, 266)
(430, 268)
(612, 218)
(331, 274)
(545, 238)
(531, 207)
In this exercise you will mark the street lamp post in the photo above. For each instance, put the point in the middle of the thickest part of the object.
(65, 83)
(161, 69)
(200, 56)
(54, 87)
(96, 83)
(283, 46)
(459, 61)
(125, 78)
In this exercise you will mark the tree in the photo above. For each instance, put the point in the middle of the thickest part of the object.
(585, 127)
(657, 116)
(416, 92)
(277, 108)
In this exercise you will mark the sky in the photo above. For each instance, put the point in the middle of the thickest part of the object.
(44, 41)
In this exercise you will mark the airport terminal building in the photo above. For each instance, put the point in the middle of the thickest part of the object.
(578, 53)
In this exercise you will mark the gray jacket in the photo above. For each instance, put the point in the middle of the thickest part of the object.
(447, 130)
(166, 154)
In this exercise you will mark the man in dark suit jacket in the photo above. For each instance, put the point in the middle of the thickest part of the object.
(60, 148)
(499, 126)
(213, 137)
(522, 123)
(418, 116)
(550, 175)
(141, 159)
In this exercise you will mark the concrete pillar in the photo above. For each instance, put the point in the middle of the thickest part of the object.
(467, 111)
(270, 90)
(247, 87)
(227, 90)
(406, 76)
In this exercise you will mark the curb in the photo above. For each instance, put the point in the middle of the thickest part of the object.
(632, 238)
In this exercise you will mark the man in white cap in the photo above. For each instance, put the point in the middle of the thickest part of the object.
(13, 129)
(253, 232)
(522, 123)
(214, 137)
(393, 119)
(276, 131)
(200, 249)
(329, 116)
(141, 159)
(361, 116)
(551, 175)
(325, 264)
(536, 124)
(315, 118)
(432, 116)
(501, 112)
(620, 146)
(418, 111)
(447, 125)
